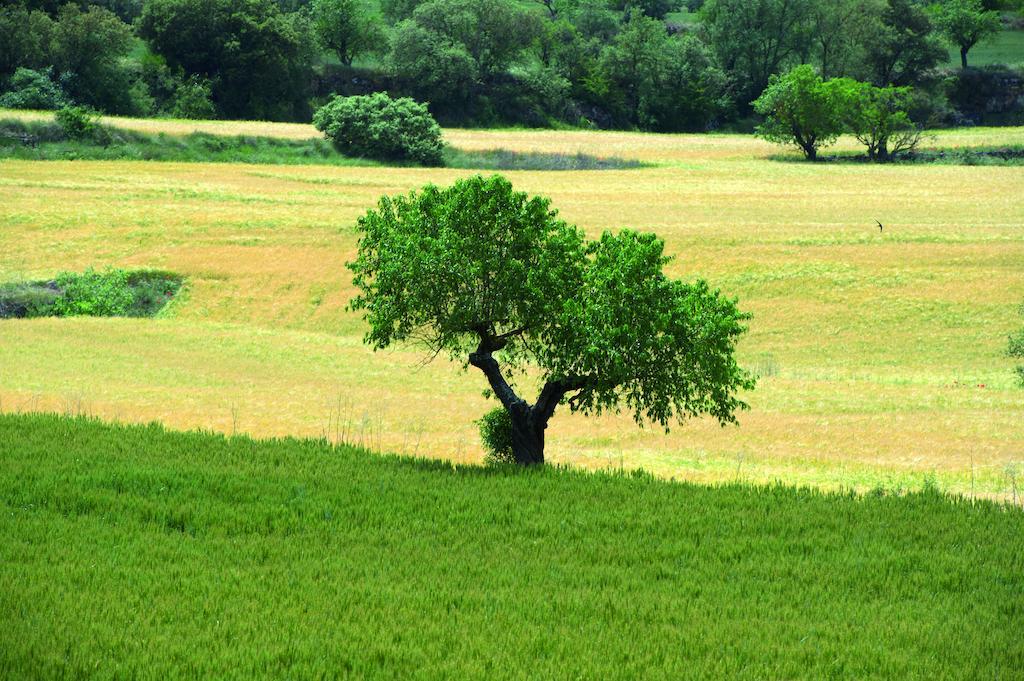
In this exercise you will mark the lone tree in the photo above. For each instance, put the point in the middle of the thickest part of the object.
(492, 278)
(799, 109)
(965, 23)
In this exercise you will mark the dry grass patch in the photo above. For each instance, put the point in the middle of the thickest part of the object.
(874, 343)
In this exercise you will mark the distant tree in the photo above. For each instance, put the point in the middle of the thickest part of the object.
(557, 8)
(89, 55)
(799, 109)
(33, 90)
(906, 47)
(493, 279)
(877, 117)
(656, 9)
(665, 83)
(432, 68)
(842, 33)
(1016, 349)
(347, 29)
(397, 10)
(755, 39)
(494, 33)
(631, 61)
(257, 60)
(25, 40)
(690, 92)
(965, 23)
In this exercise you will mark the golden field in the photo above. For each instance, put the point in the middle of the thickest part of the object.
(881, 354)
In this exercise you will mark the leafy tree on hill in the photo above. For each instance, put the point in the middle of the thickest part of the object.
(25, 40)
(89, 54)
(661, 82)
(652, 8)
(431, 68)
(493, 279)
(755, 39)
(906, 48)
(965, 23)
(347, 29)
(800, 109)
(257, 60)
(494, 33)
(397, 10)
(842, 32)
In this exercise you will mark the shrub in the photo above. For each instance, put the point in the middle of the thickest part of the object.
(496, 435)
(77, 122)
(92, 293)
(26, 300)
(33, 90)
(192, 99)
(376, 126)
(1016, 349)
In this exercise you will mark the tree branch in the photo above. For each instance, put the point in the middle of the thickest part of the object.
(486, 363)
(553, 392)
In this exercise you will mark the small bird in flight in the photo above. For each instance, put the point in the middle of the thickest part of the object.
(879, 226)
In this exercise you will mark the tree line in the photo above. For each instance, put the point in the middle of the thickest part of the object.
(604, 63)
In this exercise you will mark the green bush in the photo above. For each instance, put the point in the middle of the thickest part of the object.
(26, 300)
(376, 126)
(192, 100)
(496, 435)
(1016, 349)
(92, 293)
(32, 90)
(77, 122)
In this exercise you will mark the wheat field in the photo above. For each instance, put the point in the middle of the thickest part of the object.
(880, 353)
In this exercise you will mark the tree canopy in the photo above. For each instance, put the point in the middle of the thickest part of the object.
(965, 23)
(800, 109)
(494, 279)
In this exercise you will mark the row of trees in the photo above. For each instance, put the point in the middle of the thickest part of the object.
(621, 63)
(803, 109)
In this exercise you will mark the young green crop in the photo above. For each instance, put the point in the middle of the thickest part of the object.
(133, 552)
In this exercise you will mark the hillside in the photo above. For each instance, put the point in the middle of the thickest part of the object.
(142, 553)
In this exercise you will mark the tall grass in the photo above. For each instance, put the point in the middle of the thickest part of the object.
(133, 552)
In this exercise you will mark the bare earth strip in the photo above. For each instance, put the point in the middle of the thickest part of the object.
(881, 353)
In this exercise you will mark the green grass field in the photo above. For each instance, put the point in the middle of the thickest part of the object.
(133, 552)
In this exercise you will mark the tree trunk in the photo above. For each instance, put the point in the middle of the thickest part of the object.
(528, 423)
(963, 57)
(882, 155)
(527, 436)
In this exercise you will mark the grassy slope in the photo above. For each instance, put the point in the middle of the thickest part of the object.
(873, 346)
(135, 552)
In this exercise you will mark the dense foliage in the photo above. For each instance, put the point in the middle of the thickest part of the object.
(492, 278)
(113, 292)
(258, 59)
(661, 65)
(296, 559)
(376, 126)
